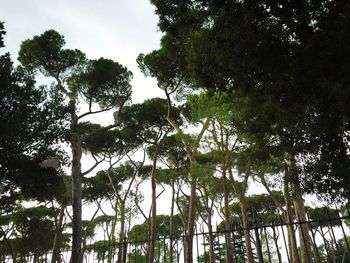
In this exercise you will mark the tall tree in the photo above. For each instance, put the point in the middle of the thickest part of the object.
(33, 123)
(148, 121)
(158, 64)
(103, 83)
(286, 60)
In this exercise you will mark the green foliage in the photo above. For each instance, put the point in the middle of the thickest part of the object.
(146, 122)
(99, 186)
(101, 248)
(272, 57)
(139, 233)
(136, 257)
(33, 122)
(46, 53)
(261, 209)
(31, 231)
(324, 216)
(157, 64)
(165, 65)
(210, 105)
(104, 82)
(170, 176)
(338, 252)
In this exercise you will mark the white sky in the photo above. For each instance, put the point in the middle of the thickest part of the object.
(115, 29)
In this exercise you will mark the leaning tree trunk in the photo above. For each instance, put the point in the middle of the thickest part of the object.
(76, 186)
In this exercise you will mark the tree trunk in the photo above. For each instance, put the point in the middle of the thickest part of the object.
(244, 211)
(57, 240)
(229, 250)
(171, 254)
(153, 229)
(111, 238)
(304, 237)
(292, 245)
(76, 186)
(188, 240)
(211, 239)
(122, 232)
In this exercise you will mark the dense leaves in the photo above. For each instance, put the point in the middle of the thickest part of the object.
(33, 123)
(104, 82)
(46, 53)
(284, 63)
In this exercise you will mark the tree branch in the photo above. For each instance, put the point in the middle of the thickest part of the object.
(94, 166)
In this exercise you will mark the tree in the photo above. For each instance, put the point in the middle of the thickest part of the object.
(33, 123)
(173, 156)
(149, 124)
(101, 82)
(115, 186)
(282, 59)
(29, 233)
(159, 64)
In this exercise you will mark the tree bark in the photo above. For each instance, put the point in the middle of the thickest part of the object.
(229, 250)
(188, 240)
(111, 238)
(171, 253)
(304, 237)
(211, 239)
(76, 185)
(292, 245)
(248, 246)
(57, 240)
(121, 251)
(153, 229)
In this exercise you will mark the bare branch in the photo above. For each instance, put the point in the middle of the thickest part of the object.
(93, 112)
(94, 166)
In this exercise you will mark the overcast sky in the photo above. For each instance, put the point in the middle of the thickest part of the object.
(114, 29)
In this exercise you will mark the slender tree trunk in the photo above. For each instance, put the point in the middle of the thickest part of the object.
(171, 253)
(112, 240)
(188, 240)
(229, 250)
(153, 229)
(248, 245)
(292, 245)
(122, 232)
(57, 240)
(304, 237)
(211, 239)
(76, 186)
